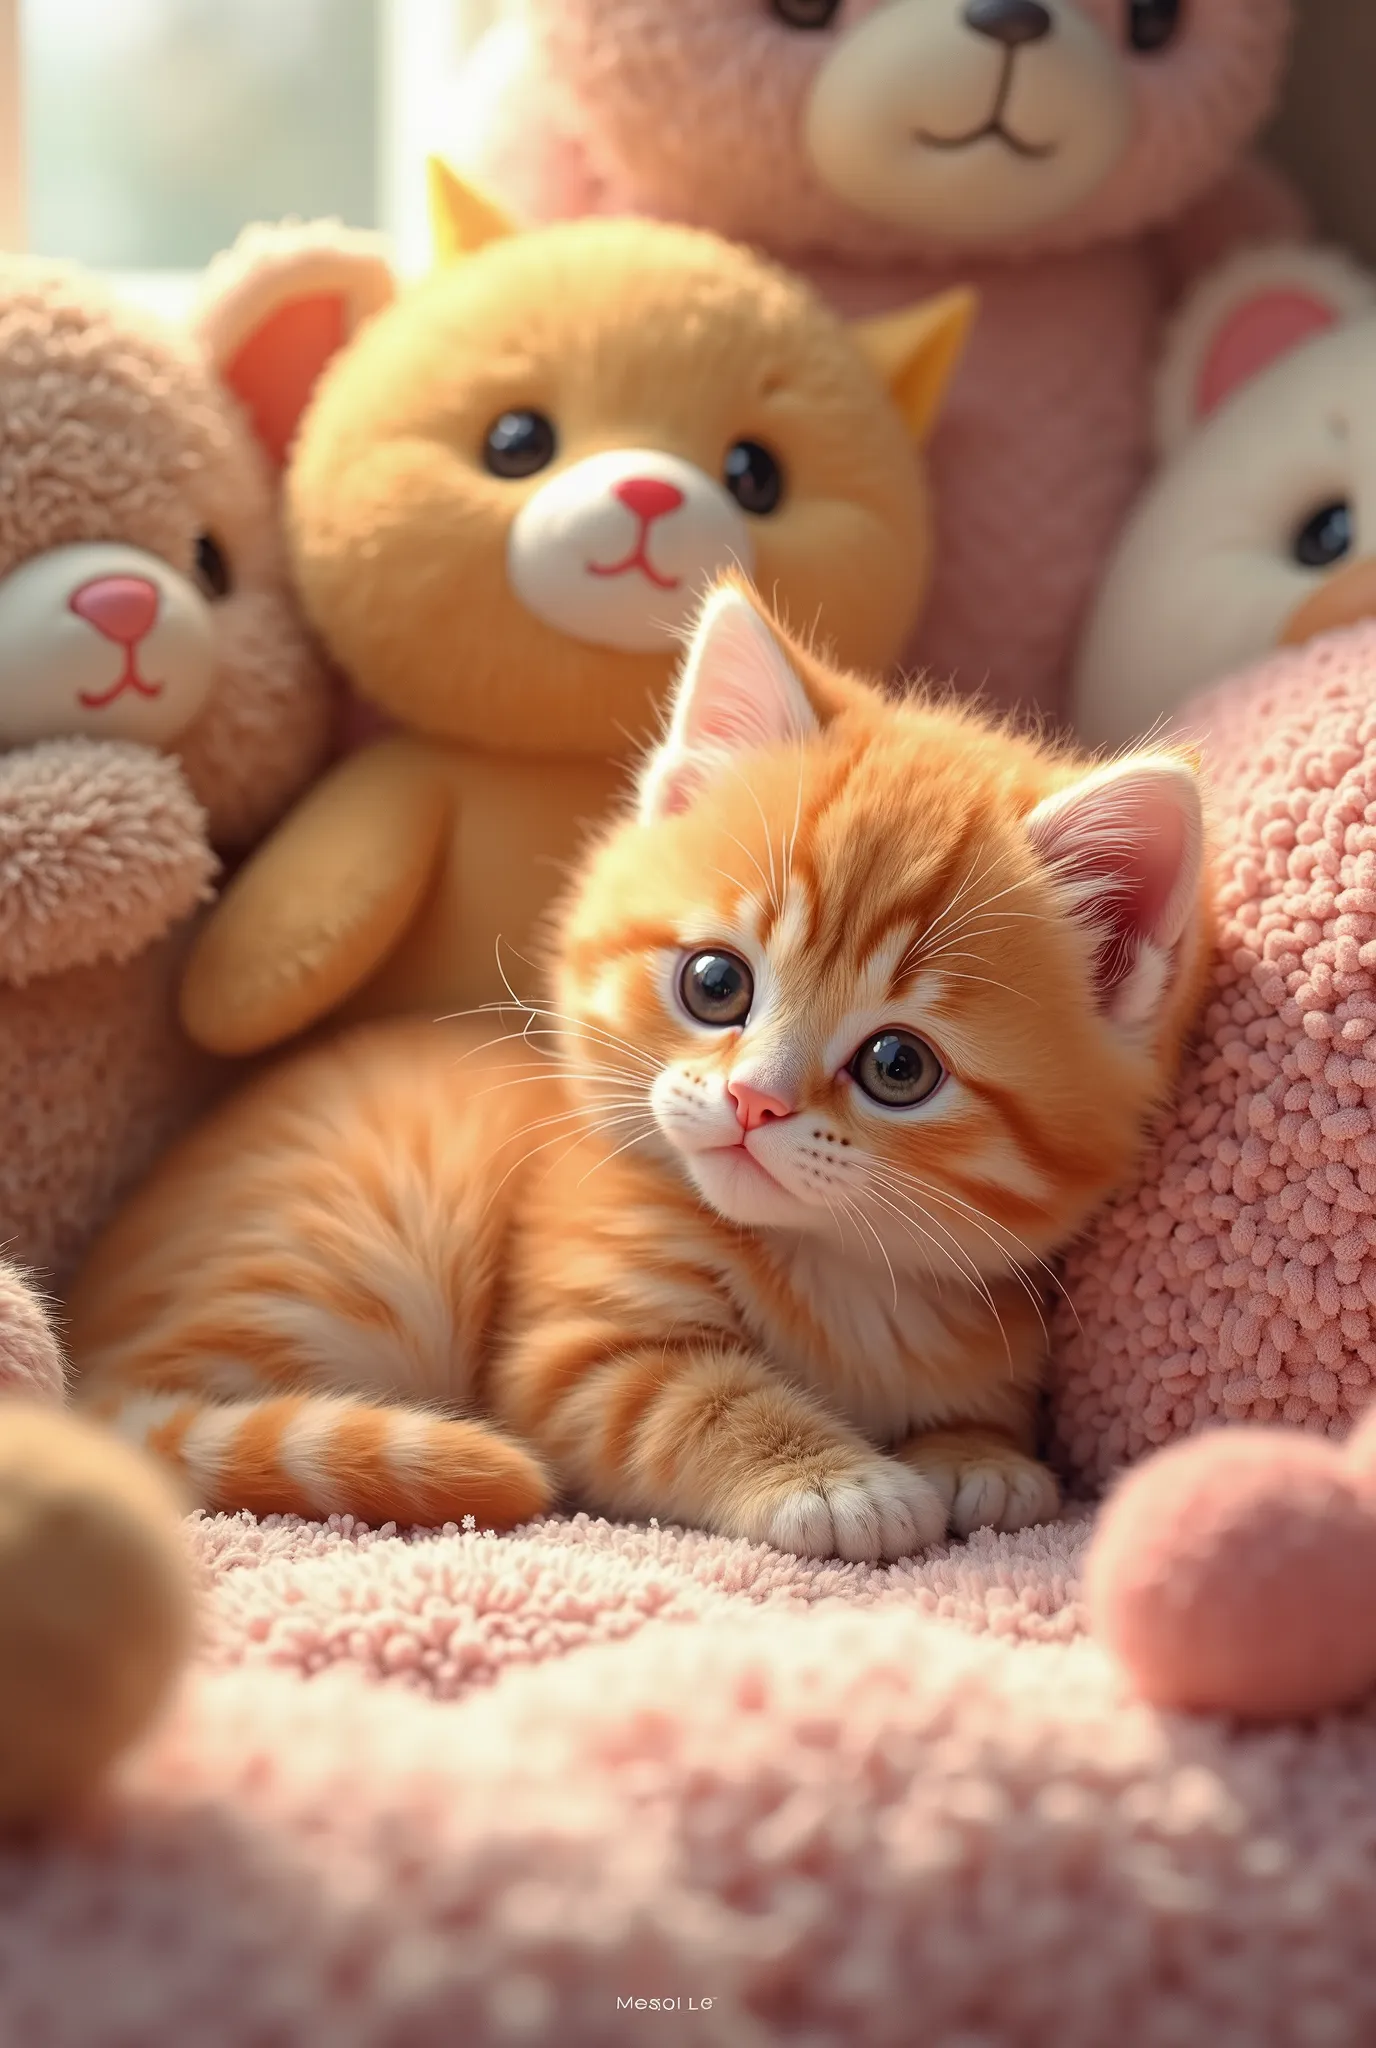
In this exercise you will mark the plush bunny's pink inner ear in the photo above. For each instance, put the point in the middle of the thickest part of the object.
(273, 373)
(1254, 336)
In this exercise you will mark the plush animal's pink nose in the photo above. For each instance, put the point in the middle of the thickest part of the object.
(648, 498)
(754, 1107)
(123, 608)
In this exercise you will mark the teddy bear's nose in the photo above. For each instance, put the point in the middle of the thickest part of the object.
(1011, 22)
(648, 498)
(123, 608)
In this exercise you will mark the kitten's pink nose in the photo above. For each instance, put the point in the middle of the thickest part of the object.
(754, 1107)
(123, 608)
(648, 498)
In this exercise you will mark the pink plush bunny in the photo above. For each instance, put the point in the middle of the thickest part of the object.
(1074, 159)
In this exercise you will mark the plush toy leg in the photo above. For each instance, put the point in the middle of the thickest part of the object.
(1236, 1573)
(95, 1606)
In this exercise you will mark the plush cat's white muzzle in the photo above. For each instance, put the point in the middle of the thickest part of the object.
(618, 549)
(103, 640)
(969, 120)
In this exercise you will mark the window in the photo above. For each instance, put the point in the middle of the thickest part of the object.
(139, 136)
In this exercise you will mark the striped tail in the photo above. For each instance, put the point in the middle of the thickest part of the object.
(317, 1454)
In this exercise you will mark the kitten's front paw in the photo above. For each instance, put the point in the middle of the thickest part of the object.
(985, 1483)
(866, 1512)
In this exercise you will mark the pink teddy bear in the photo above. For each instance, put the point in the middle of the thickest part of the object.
(1075, 160)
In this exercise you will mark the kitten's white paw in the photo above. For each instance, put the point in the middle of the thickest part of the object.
(991, 1488)
(867, 1513)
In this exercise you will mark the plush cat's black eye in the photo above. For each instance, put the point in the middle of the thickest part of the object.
(806, 13)
(1326, 536)
(897, 1069)
(753, 476)
(519, 444)
(716, 988)
(1154, 23)
(212, 570)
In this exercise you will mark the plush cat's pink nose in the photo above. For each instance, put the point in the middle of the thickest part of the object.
(754, 1107)
(123, 608)
(648, 498)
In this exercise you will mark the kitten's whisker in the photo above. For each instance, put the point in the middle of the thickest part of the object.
(775, 900)
(965, 1264)
(987, 981)
(531, 1011)
(945, 934)
(980, 1217)
(573, 1138)
(764, 878)
(635, 1139)
(883, 1252)
(1012, 1266)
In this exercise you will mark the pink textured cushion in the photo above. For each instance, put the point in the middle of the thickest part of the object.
(475, 1791)
(1234, 1281)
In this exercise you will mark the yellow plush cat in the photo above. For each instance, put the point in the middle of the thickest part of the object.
(505, 501)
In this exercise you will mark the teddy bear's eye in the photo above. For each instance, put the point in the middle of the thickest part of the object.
(806, 13)
(1325, 537)
(1154, 23)
(518, 444)
(212, 569)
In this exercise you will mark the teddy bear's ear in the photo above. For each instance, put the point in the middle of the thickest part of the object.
(917, 353)
(1246, 315)
(462, 219)
(278, 305)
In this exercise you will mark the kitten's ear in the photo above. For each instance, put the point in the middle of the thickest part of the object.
(1127, 844)
(737, 690)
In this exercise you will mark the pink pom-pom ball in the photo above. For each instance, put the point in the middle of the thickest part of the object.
(1235, 1573)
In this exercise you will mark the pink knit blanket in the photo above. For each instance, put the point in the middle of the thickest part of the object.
(465, 1790)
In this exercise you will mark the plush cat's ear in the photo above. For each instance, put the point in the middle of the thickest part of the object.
(462, 219)
(918, 351)
(737, 690)
(1126, 843)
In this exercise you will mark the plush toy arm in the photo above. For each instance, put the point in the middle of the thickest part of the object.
(321, 905)
(103, 848)
(1254, 203)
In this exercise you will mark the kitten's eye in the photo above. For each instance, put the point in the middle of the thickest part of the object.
(1326, 536)
(1154, 23)
(212, 570)
(519, 444)
(806, 13)
(716, 988)
(754, 478)
(897, 1069)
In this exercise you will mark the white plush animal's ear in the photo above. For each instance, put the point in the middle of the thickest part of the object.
(1126, 846)
(1254, 309)
(737, 691)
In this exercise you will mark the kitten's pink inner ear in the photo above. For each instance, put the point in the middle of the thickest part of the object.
(1253, 337)
(274, 372)
(1129, 844)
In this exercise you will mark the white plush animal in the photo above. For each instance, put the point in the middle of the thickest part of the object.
(1259, 530)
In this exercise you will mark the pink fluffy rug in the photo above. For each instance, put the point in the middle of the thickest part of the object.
(466, 1790)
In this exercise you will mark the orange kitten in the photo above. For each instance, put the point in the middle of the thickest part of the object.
(854, 1024)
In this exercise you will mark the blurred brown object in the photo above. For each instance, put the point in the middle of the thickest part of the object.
(1324, 135)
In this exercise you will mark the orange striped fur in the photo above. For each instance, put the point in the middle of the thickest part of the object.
(648, 1262)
